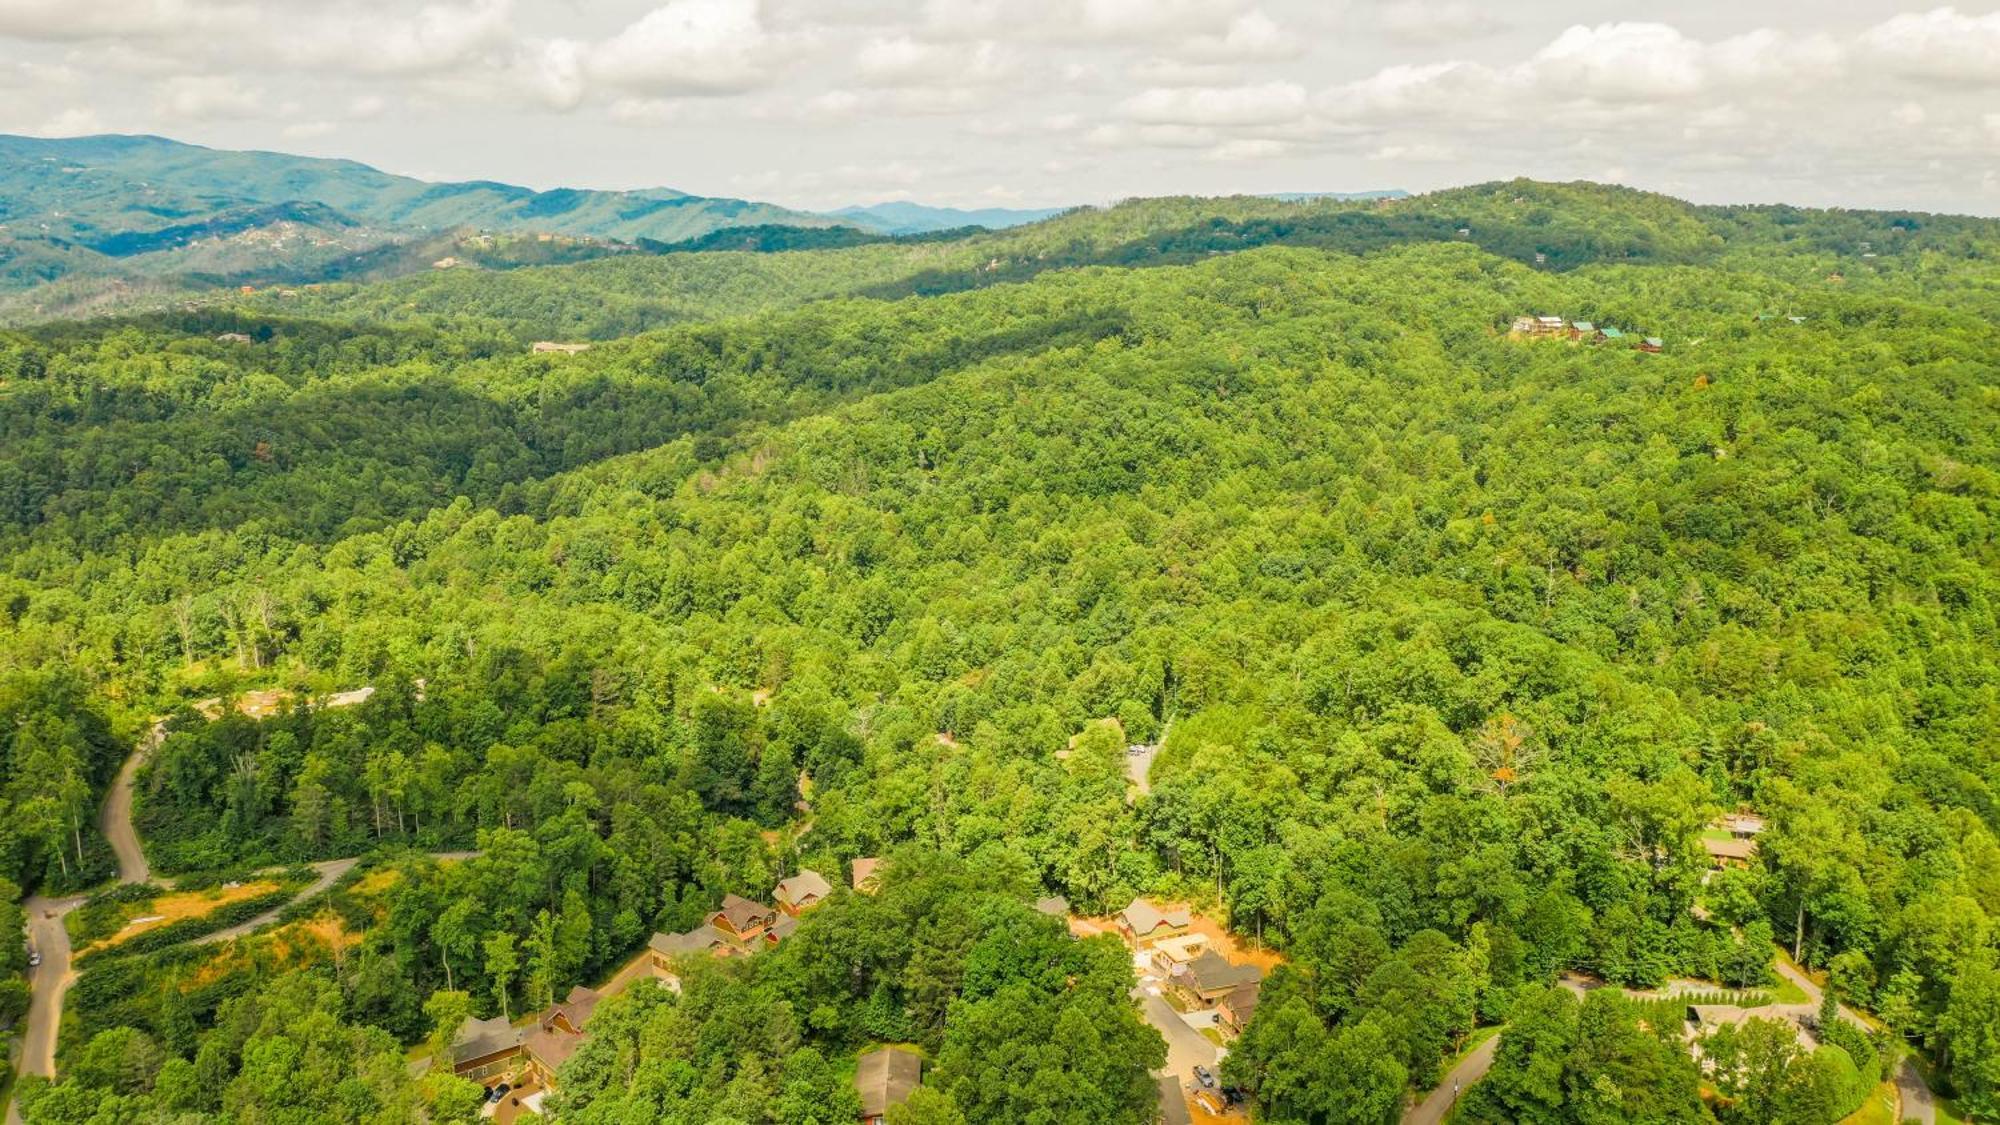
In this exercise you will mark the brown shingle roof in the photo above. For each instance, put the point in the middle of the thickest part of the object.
(803, 889)
(476, 1039)
(700, 939)
(885, 1077)
(1212, 972)
(1143, 917)
(866, 871)
(741, 913)
(1731, 848)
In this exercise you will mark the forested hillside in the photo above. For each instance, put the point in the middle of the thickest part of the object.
(1454, 641)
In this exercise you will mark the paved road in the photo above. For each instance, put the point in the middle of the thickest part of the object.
(1186, 1047)
(1914, 1094)
(1470, 1069)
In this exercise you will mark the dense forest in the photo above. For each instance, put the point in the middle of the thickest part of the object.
(1454, 644)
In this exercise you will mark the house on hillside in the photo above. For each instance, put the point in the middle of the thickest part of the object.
(1742, 825)
(1548, 326)
(1523, 326)
(1653, 345)
(1731, 852)
(867, 876)
(802, 892)
(1585, 332)
(551, 347)
(484, 1049)
(1142, 924)
(556, 1036)
(1609, 333)
(1171, 955)
(665, 951)
(234, 338)
(884, 1077)
(1235, 1009)
(742, 922)
(782, 927)
(1208, 978)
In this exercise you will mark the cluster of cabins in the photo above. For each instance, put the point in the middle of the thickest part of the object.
(1188, 964)
(1581, 331)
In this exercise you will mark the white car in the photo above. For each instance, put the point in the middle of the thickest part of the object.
(34, 959)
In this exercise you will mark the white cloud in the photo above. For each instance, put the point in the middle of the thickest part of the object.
(75, 122)
(208, 98)
(1270, 103)
(1251, 36)
(1940, 45)
(688, 47)
(1439, 21)
(904, 61)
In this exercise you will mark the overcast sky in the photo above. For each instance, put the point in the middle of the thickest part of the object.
(816, 103)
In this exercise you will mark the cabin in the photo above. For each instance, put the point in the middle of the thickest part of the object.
(1609, 333)
(741, 921)
(884, 1077)
(1548, 326)
(1208, 978)
(555, 1037)
(1732, 852)
(664, 951)
(551, 347)
(1523, 326)
(1173, 954)
(234, 338)
(1235, 1009)
(1142, 924)
(1584, 331)
(484, 1049)
(1652, 345)
(802, 892)
(782, 927)
(867, 875)
(1742, 825)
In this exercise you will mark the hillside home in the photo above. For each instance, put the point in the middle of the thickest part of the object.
(802, 892)
(483, 1049)
(884, 1077)
(1523, 325)
(665, 951)
(740, 921)
(556, 1036)
(1142, 924)
(1584, 331)
(1733, 852)
(1171, 955)
(1208, 978)
(782, 927)
(1548, 326)
(233, 338)
(551, 347)
(1236, 1008)
(867, 875)
(1652, 344)
(1742, 825)
(1609, 333)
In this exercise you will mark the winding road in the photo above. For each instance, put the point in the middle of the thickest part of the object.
(50, 981)
(1470, 1069)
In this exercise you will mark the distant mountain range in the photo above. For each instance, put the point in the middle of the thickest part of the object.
(916, 218)
(92, 223)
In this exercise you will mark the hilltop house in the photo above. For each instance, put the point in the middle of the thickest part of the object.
(884, 1077)
(1732, 852)
(1142, 924)
(802, 892)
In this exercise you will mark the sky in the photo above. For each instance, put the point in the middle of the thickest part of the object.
(819, 103)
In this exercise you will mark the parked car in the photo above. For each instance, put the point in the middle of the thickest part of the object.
(498, 1092)
(1205, 1076)
(34, 959)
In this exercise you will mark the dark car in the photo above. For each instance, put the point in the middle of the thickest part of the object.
(494, 1095)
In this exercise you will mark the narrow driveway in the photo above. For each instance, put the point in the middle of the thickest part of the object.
(330, 872)
(1918, 1103)
(1186, 1047)
(115, 821)
(1470, 1069)
(47, 982)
